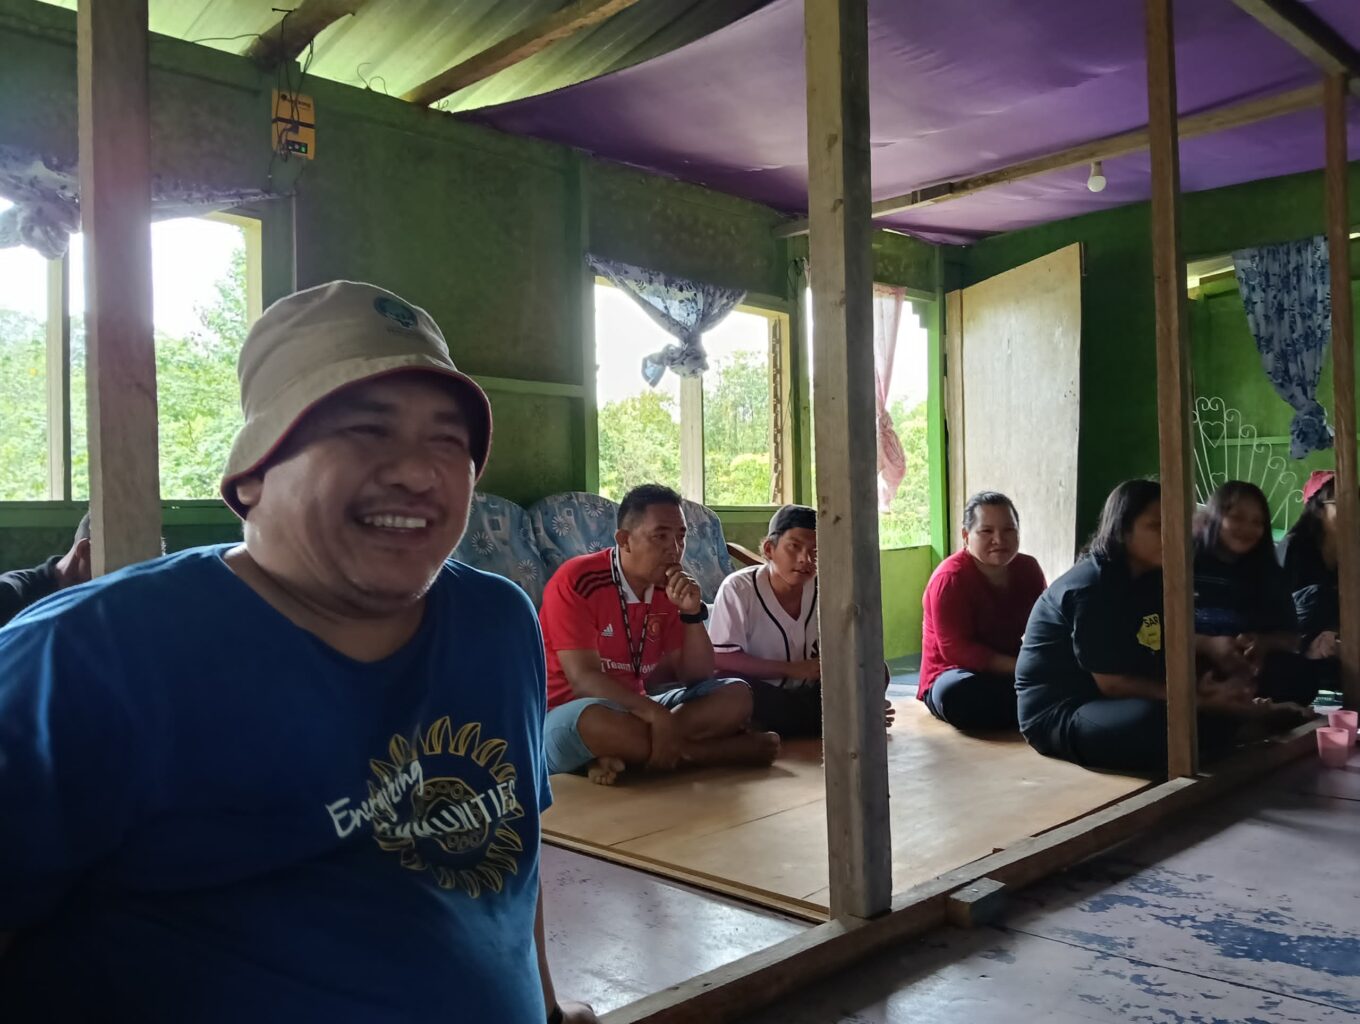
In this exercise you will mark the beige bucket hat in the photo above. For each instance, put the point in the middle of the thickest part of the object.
(310, 345)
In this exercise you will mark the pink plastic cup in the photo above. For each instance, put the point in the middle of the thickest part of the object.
(1334, 746)
(1347, 720)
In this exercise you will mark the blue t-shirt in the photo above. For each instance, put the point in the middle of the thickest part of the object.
(208, 814)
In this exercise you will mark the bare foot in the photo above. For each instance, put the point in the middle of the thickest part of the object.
(746, 748)
(604, 771)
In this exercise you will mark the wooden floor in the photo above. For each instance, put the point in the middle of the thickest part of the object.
(760, 834)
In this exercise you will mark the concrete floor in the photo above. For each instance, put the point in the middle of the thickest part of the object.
(1250, 912)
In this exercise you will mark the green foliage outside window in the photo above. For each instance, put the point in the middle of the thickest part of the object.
(197, 398)
(737, 431)
(23, 407)
(639, 443)
(640, 436)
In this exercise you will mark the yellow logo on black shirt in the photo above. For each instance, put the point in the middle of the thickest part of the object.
(1150, 632)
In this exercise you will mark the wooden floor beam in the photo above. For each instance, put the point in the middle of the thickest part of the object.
(115, 215)
(730, 993)
(1173, 393)
(1204, 123)
(850, 606)
(1343, 373)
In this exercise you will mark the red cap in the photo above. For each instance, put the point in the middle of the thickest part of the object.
(1317, 479)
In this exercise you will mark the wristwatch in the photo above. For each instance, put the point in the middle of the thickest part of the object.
(700, 616)
(556, 1016)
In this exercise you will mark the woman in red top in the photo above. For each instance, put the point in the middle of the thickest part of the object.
(976, 605)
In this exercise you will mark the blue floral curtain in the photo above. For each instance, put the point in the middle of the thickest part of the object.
(46, 197)
(684, 308)
(1287, 293)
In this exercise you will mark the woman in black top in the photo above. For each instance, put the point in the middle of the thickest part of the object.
(1090, 677)
(1243, 604)
(1308, 555)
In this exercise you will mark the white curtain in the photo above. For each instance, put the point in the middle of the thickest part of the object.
(892, 463)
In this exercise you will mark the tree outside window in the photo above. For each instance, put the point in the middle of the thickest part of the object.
(907, 522)
(640, 427)
(201, 316)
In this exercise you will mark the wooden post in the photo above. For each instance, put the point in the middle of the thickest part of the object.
(58, 381)
(850, 604)
(1173, 394)
(115, 212)
(1343, 377)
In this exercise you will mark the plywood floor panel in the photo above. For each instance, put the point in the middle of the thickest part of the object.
(955, 798)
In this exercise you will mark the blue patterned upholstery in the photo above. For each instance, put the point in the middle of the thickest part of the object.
(570, 524)
(528, 547)
(500, 540)
(706, 557)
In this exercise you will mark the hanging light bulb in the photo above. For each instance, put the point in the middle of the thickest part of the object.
(1096, 182)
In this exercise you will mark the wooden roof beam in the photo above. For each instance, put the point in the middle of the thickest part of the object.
(1219, 119)
(295, 31)
(581, 14)
(1298, 26)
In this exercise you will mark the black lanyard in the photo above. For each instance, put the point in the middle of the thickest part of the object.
(634, 654)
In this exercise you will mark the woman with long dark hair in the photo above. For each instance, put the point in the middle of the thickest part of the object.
(1243, 604)
(1091, 675)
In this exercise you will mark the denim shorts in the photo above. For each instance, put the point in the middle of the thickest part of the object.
(562, 743)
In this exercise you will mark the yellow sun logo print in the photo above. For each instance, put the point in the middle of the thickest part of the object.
(457, 801)
(1150, 632)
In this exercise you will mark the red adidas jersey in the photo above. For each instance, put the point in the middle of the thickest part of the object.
(580, 612)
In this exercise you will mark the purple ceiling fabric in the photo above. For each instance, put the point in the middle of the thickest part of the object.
(955, 90)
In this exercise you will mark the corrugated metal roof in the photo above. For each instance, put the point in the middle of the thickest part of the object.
(395, 45)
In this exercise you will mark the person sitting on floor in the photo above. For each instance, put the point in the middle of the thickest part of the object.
(1308, 555)
(764, 628)
(1242, 601)
(976, 605)
(1090, 678)
(630, 665)
(23, 587)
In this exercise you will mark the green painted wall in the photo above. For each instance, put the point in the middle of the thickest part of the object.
(1227, 366)
(1118, 378)
(905, 574)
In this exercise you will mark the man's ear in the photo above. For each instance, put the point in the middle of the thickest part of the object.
(621, 539)
(767, 548)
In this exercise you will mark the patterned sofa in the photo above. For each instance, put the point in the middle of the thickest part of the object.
(528, 547)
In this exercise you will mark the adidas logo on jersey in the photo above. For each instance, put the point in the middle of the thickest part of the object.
(608, 630)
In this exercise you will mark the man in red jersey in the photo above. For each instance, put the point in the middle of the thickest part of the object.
(630, 665)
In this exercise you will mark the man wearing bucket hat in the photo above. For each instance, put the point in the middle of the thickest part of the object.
(300, 777)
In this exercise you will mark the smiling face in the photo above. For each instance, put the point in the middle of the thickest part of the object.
(367, 498)
(1243, 525)
(793, 556)
(994, 539)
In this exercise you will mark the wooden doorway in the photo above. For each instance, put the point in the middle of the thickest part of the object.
(1013, 397)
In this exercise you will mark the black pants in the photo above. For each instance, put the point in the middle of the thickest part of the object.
(1124, 734)
(794, 714)
(973, 701)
